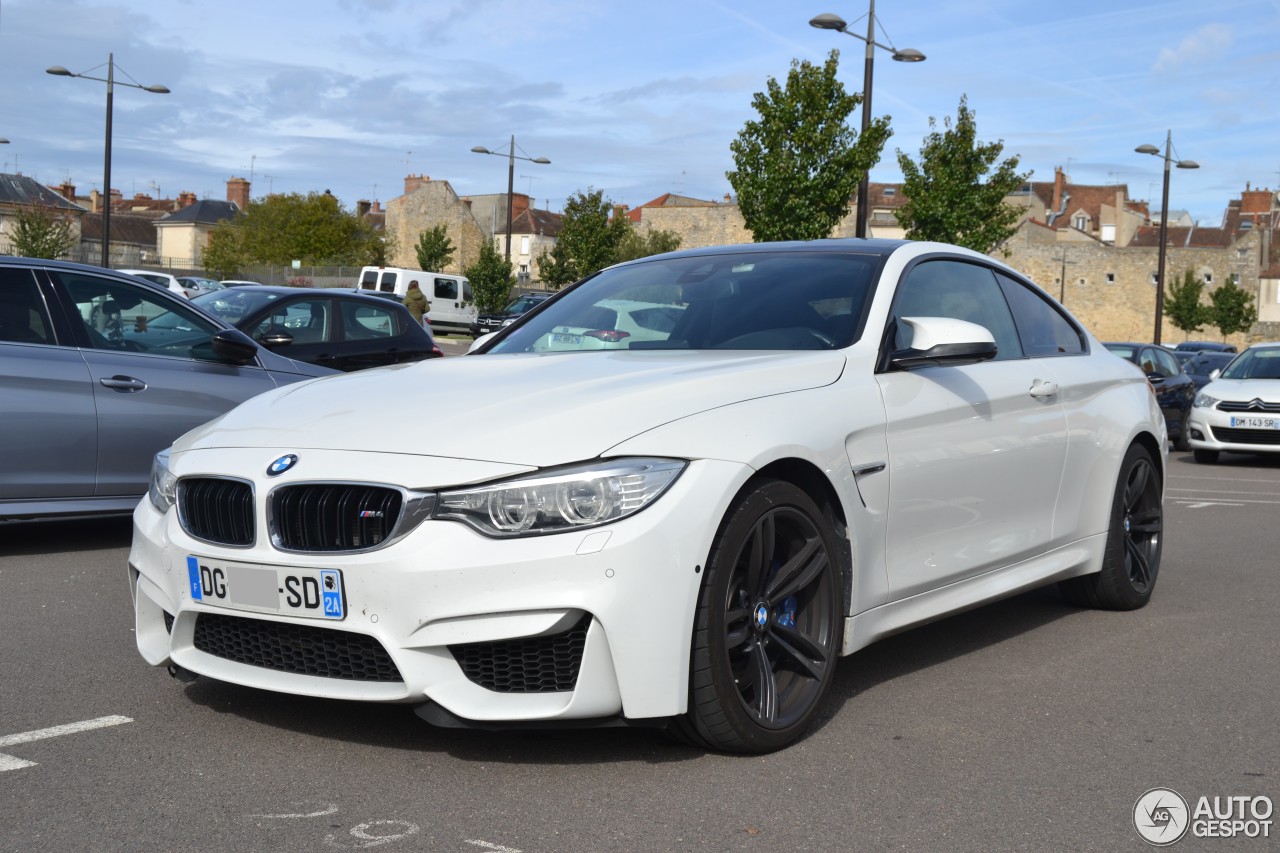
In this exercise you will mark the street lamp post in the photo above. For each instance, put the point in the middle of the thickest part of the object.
(110, 80)
(1164, 220)
(512, 157)
(828, 21)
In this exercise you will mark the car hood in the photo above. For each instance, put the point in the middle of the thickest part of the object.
(525, 409)
(1244, 390)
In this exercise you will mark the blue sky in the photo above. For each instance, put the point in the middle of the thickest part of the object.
(635, 99)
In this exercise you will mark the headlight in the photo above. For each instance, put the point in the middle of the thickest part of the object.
(1204, 401)
(163, 490)
(565, 499)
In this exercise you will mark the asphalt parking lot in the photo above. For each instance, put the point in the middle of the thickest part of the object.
(1024, 725)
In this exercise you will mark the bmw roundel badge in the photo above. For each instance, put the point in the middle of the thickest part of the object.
(284, 463)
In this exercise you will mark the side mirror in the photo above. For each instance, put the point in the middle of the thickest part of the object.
(232, 346)
(479, 342)
(1215, 373)
(276, 337)
(942, 341)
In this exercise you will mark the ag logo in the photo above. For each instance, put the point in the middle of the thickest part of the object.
(1161, 816)
(284, 463)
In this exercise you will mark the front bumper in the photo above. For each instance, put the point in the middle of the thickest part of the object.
(444, 595)
(1210, 429)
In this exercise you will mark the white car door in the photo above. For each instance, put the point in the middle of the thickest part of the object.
(976, 452)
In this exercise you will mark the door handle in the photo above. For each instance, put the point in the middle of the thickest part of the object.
(123, 383)
(1041, 389)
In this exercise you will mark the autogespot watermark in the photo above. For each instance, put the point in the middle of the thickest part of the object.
(1162, 817)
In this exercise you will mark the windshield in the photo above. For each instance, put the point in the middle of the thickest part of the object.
(234, 305)
(746, 301)
(1204, 363)
(521, 304)
(1254, 364)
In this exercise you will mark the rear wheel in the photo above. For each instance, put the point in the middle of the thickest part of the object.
(1134, 541)
(769, 624)
(1206, 457)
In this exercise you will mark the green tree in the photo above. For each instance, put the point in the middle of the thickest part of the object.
(635, 243)
(1182, 303)
(950, 196)
(588, 239)
(225, 255)
(434, 249)
(313, 228)
(1233, 309)
(39, 232)
(491, 279)
(799, 163)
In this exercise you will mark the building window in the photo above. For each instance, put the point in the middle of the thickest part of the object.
(1208, 278)
(524, 244)
(1242, 254)
(890, 190)
(1154, 279)
(1235, 278)
(1080, 222)
(1111, 278)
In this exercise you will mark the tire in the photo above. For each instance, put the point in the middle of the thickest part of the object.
(1135, 539)
(769, 624)
(1206, 457)
(1183, 444)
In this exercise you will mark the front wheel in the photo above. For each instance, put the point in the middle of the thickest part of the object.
(1134, 541)
(769, 624)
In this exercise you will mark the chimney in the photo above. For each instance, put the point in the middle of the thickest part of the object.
(186, 198)
(415, 182)
(95, 201)
(68, 190)
(727, 198)
(362, 209)
(238, 192)
(519, 204)
(377, 207)
(1059, 184)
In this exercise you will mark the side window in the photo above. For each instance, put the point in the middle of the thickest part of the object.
(133, 318)
(388, 284)
(307, 320)
(362, 322)
(466, 292)
(958, 290)
(1147, 361)
(446, 289)
(1042, 328)
(23, 318)
(1166, 363)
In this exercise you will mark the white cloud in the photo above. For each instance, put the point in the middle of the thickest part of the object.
(1210, 42)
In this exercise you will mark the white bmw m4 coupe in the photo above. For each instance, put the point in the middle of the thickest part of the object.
(672, 495)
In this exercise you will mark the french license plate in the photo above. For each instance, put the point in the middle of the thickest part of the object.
(288, 590)
(566, 339)
(1255, 422)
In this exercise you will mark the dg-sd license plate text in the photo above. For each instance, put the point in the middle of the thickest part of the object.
(292, 591)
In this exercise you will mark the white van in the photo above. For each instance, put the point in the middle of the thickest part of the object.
(453, 306)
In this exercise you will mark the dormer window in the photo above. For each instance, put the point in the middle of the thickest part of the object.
(890, 191)
(1080, 222)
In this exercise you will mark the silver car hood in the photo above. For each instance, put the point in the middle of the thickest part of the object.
(526, 409)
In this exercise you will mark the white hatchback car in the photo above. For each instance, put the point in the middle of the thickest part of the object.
(1238, 411)
(163, 279)
(833, 441)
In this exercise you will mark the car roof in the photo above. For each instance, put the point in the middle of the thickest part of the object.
(286, 290)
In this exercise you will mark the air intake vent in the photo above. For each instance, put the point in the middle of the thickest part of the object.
(530, 665)
(297, 649)
(333, 516)
(217, 510)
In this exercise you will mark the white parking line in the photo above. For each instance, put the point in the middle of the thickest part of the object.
(9, 762)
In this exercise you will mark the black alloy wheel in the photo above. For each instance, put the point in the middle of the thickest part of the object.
(769, 624)
(1135, 540)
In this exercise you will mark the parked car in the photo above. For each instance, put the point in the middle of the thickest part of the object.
(238, 282)
(336, 328)
(486, 323)
(1205, 346)
(194, 285)
(94, 380)
(452, 301)
(1239, 410)
(1175, 390)
(1201, 366)
(163, 279)
(834, 441)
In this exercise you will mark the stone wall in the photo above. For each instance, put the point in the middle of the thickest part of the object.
(428, 204)
(1111, 290)
(722, 225)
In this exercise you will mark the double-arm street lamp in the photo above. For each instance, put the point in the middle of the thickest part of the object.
(1164, 219)
(512, 157)
(828, 21)
(110, 80)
